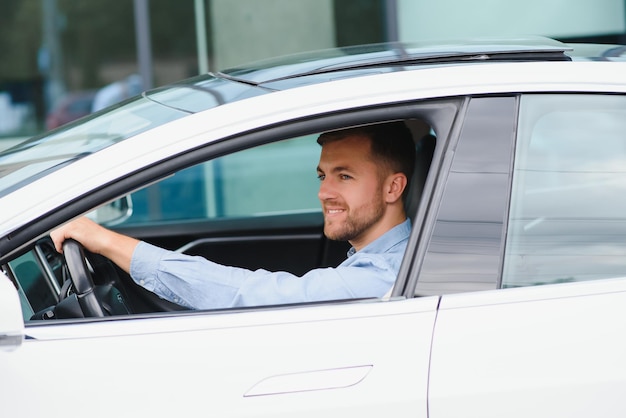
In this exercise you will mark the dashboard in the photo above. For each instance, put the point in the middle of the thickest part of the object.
(39, 275)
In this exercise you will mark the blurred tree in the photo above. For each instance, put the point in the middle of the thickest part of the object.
(20, 38)
(359, 21)
(101, 32)
(93, 33)
(173, 28)
(96, 32)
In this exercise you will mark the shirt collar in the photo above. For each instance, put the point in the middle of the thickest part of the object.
(387, 240)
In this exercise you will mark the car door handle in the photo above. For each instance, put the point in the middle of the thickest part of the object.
(310, 381)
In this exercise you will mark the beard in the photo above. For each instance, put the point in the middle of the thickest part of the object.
(356, 223)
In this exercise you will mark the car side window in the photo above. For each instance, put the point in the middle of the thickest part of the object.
(567, 219)
(464, 251)
(272, 178)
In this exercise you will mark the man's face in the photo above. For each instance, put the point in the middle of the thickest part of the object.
(351, 189)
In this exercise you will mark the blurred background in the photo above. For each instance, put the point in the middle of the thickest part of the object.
(63, 59)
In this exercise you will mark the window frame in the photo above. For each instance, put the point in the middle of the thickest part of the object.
(438, 113)
(466, 122)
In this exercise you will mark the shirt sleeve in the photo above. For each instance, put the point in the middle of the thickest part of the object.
(198, 283)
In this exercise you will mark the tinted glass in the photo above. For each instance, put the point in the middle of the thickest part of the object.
(464, 251)
(568, 218)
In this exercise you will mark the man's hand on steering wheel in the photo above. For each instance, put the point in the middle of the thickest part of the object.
(97, 239)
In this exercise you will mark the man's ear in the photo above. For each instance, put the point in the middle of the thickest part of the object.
(396, 183)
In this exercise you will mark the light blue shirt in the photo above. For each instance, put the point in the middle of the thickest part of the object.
(198, 283)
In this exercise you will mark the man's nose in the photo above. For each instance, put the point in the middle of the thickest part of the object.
(326, 190)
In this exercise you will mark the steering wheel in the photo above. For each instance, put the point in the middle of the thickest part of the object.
(81, 278)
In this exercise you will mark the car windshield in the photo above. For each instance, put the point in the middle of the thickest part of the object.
(41, 155)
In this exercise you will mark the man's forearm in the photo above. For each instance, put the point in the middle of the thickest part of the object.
(119, 249)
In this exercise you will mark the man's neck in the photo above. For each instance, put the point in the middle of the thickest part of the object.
(376, 231)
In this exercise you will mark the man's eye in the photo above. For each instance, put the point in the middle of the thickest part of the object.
(321, 177)
(345, 177)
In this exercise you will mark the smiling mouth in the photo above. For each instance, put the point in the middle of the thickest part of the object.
(334, 211)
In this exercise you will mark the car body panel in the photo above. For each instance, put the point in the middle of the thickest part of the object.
(560, 346)
(11, 323)
(278, 362)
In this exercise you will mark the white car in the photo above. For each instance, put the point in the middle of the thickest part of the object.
(510, 302)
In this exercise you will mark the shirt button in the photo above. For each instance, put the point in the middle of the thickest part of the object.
(142, 282)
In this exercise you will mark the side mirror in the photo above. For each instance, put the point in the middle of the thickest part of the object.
(114, 212)
(11, 322)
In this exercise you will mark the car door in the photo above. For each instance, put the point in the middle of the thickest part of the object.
(365, 357)
(301, 361)
(549, 341)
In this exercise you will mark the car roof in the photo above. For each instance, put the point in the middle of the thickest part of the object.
(315, 67)
(394, 54)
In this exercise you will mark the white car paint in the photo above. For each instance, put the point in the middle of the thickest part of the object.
(271, 363)
(531, 352)
(11, 322)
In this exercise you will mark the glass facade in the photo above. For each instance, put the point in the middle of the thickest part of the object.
(63, 59)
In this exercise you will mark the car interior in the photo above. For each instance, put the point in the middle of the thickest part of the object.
(78, 284)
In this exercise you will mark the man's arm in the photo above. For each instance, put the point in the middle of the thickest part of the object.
(116, 247)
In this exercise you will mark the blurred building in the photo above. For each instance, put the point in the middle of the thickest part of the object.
(57, 51)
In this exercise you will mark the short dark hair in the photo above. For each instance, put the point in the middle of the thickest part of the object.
(392, 144)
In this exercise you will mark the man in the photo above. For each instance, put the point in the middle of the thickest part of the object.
(363, 174)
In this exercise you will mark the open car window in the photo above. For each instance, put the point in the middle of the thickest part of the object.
(269, 179)
(255, 208)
